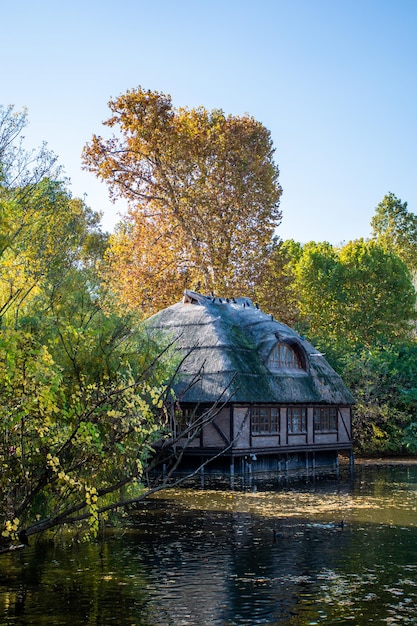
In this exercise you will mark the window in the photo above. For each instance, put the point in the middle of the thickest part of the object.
(325, 418)
(283, 356)
(264, 420)
(186, 415)
(297, 419)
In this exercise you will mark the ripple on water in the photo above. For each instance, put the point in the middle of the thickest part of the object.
(221, 558)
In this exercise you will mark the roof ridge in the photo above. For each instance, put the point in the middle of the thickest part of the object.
(193, 297)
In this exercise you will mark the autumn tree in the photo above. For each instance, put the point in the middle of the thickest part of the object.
(203, 197)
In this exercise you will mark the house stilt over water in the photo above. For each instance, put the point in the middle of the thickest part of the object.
(252, 394)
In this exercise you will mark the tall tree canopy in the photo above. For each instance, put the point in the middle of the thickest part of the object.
(358, 295)
(395, 227)
(276, 291)
(203, 198)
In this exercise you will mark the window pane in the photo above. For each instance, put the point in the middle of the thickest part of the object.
(297, 419)
(283, 356)
(265, 420)
(325, 419)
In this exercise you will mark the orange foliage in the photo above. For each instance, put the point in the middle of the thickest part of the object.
(203, 198)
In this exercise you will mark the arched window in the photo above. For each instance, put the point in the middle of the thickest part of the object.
(282, 356)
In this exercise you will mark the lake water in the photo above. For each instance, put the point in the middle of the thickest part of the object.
(266, 554)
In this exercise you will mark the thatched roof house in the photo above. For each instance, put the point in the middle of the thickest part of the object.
(274, 393)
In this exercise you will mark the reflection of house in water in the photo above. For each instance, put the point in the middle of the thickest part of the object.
(218, 567)
(266, 398)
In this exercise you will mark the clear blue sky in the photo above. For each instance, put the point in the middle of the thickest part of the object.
(335, 81)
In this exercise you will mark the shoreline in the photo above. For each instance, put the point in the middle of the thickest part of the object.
(400, 460)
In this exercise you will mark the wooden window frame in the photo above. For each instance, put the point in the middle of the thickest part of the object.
(283, 356)
(187, 414)
(325, 419)
(265, 420)
(297, 420)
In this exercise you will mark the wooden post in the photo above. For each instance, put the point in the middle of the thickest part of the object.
(202, 475)
(232, 472)
(249, 466)
(352, 463)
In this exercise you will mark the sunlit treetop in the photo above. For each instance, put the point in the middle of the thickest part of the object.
(203, 196)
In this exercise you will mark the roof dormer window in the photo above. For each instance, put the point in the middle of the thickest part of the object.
(283, 356)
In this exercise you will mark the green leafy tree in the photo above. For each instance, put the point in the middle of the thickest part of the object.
(359, 295)
(384, 383)
(379, 294)
(45, 232)
(82, 387)
(82, 403)
(275, 292)
(357, 304)
(395, 227)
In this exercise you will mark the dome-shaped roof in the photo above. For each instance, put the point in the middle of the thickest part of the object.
(226, 344)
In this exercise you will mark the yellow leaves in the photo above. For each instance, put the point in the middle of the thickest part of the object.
(68, 481)
(10, 527)
(73, 413)
(91, 500)
(91, 496)
(158, 394)
(88, 439)
(201, 187)
(139, 467)
(142, 262)
(52, 462)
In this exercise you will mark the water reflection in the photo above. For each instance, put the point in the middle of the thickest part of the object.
(215, 557)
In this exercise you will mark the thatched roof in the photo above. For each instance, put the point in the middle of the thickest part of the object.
(227, 343)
